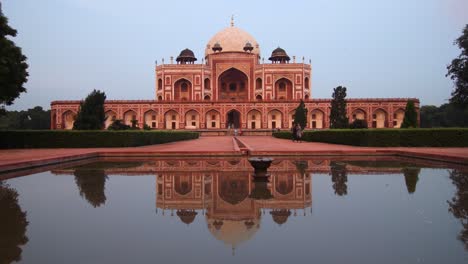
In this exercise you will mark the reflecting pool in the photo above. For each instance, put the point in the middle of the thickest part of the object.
(210, 210)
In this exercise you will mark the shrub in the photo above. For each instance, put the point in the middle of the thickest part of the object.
(358, 124)
(88, 139)
(441, 137)
(118, 125)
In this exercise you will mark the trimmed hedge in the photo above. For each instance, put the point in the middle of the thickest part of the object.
(437, 137)
(88, 139)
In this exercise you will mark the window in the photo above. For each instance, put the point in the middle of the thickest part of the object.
(282, 86)
(153, 124)
(153, 117)
(314, 124)
(253, 125)
(394, 123)
(184, 87)
(395, 116)
(213, 124)
(133, 117)
(173, 117)
(314, 116)
(273, 124)
(194, 123)
(374, 116)
(273, 117)
(193, 117)
(253, 117)
(213, 117)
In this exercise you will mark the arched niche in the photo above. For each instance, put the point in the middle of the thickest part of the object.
(258, 84)
(129, 116)
(283, 89)
(213, 119)
(317, 118)
(171, 119)
(183, 90)
(274, 119)
(254, 119)
(151, 119)
(398, 117)
(111, 116)
(192, 119)
(379, 119)
(68, 119)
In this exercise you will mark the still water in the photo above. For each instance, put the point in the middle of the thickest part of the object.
(312, 210)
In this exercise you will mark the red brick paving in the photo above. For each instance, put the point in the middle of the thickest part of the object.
(214, 146)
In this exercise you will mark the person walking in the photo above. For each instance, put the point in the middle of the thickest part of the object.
(294, 132)
(298, 133)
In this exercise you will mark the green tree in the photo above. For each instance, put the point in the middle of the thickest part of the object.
(13, 225)
(91, 114)
(411, 117)
(458, 206)
(13, 66)
(300, 115)
(411, 178)
(91, 184)
(338, 118)
(458, 72)
(447, 115)
(34, 118)
(339, 176)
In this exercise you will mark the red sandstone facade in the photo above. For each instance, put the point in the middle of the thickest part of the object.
(233, 87)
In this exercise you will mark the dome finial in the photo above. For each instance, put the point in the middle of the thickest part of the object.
(232, 20)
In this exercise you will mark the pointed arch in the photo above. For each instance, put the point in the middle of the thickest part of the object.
(171, 119)
(317, 119)
(274, 119)
(398, 117)
(254, 119)
(151, 118)
(128, 116)
(233, 118)
(68, 119)
(183, 90)
(111, 116)
(283, 89)
(183, 183)
(213, 119)
(160, 84)
(233, 84)
(284, 183)
(379, 118)
(258, 84)
(192, 119)
(207, 84)
(358, 113)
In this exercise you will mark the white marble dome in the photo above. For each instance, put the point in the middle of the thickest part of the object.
(232, 39)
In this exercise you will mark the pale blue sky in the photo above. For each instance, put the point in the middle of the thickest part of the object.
(391, 48)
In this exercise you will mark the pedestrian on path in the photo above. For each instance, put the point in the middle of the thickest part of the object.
(298, 133)
(294, 132)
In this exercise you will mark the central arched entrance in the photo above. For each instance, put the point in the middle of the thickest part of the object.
(233, 85)
(233, 119)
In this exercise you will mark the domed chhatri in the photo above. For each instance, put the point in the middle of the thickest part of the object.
(186, 57)
(248, 47)
(279, 55)
(217, 47)
(233, 39)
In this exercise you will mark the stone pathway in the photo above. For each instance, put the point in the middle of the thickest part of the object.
(12, 159)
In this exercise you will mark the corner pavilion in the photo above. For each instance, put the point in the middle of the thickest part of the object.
(234, 87)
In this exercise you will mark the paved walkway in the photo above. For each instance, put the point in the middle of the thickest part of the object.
(11, 159)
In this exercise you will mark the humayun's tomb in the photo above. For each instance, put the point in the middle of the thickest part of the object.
(233, 87)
